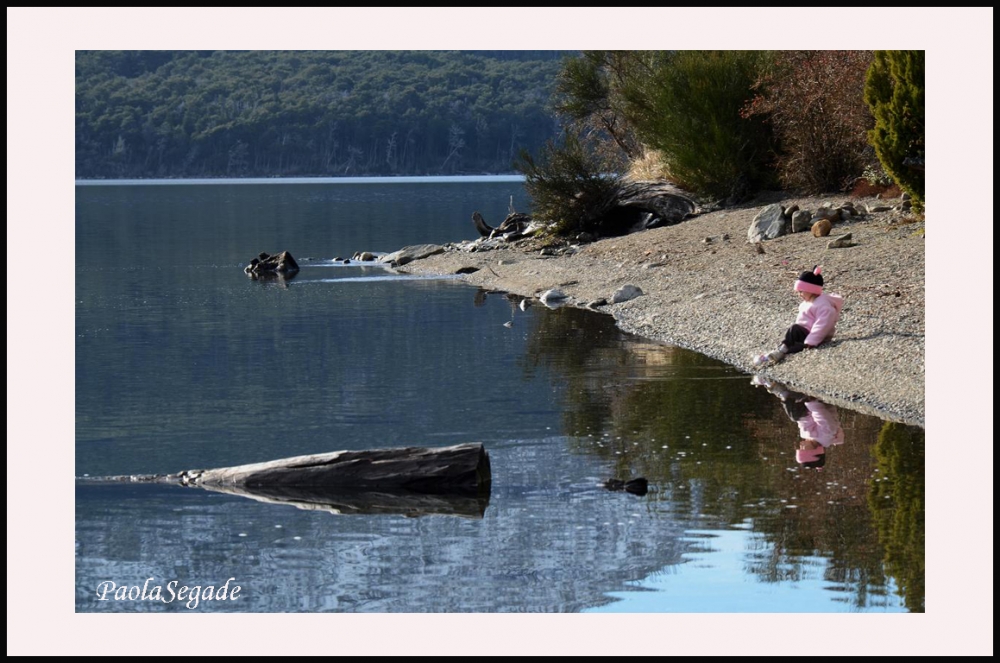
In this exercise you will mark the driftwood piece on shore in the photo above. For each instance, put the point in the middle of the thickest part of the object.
(511, 228)
(665, 203)
(634, 206)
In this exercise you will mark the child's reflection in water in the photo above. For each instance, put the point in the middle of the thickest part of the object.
(819, 425)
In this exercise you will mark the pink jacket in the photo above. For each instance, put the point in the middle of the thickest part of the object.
(820, 317)
(822, 425)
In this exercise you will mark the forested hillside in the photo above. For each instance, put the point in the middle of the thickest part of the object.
(309, 113)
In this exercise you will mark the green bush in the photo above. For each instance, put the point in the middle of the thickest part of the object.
(894, 90)
(688, 106)
(568, 188)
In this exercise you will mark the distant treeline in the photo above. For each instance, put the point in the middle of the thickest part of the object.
(309, 113)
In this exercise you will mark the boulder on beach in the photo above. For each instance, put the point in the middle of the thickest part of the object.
(769, 224)
(625, 293)
(822, 228)
(801, 220)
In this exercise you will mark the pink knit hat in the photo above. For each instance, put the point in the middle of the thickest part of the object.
(811, 281)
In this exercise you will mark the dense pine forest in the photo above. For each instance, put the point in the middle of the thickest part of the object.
(144, 114)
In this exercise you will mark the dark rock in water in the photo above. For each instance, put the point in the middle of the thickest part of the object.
(282, 263)
(637, 486)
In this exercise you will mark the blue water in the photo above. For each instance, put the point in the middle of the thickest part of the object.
(184, 362)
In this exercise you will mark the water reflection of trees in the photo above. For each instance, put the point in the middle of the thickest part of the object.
(721, 454)
(897, 502)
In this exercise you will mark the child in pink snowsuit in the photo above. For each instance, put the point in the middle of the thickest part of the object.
(815, 323)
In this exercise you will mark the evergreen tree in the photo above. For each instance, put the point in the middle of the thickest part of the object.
(895, 91)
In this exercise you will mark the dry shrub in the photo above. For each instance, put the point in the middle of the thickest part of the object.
(649, 166)
(815, 102)
(864, 189)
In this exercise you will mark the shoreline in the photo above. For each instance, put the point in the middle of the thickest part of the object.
(707, 289)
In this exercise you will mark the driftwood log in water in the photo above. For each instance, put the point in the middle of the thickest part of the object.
(461, 469)
(410, 481)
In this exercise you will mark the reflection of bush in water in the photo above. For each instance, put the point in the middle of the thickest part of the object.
(644, 395)
(618, 382)
(897, 502)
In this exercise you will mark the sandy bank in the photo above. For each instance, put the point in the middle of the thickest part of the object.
(708, 290)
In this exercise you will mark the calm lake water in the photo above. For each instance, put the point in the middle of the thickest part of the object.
(184, 362)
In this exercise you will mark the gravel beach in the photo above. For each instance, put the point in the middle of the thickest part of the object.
(709, 290)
